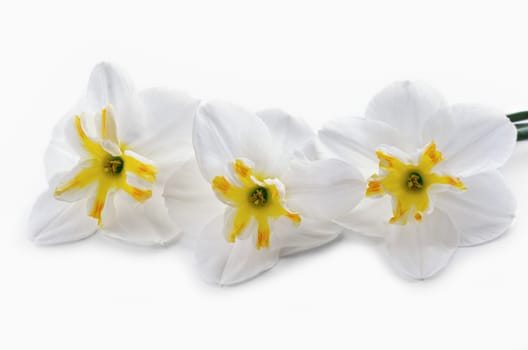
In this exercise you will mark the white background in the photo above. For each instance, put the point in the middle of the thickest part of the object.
(317, 61)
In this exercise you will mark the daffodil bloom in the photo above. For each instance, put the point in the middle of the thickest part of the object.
(433, 183)
(272, 198)
(108, 161)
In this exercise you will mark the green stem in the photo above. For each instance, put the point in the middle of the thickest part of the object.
(517, 117)
(522, 133)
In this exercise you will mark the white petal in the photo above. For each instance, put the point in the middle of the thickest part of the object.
(324, 188)
(481, 213)
(76, 193)
(223, 133)
(108, 132)
(71, 134)
(248, 231)
(135, 179)
(130, 122)
(111, 148)
(472, 139)
(60, 156)
(145, 223)
(228, 263)
(232, 176)
(190, 199)
(167, 135)
(108, 84)
(406, 106)
(420, 250)
(312, 150)
(311, 233)
(370, 217)
(52, 221)
(355, 140)
(288, 134)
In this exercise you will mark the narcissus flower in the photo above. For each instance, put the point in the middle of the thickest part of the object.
(271, 199)
(108, 161)
(434, 184)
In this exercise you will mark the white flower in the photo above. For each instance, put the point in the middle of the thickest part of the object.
(271, 199)
(108, 161)
(435, 185)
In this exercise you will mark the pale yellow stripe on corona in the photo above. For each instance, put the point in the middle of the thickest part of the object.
(296, 218)
(263, 236)
(89, 145)
(145, 171)
(374, 188)
(221, 184)
(244, 172)
(103, 123)
(398, 213)
(99, 203)
(84, 178)
(226, 190)
(448, 180)
(275, 195)
(430, 157)
(388, 162)
(276, 209)
(136, 193)
(242, 218)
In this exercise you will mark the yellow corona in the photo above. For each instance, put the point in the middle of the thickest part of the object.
(255, 199)
(106, 170)
(409, 183)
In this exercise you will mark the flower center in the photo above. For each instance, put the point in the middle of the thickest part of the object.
(415, 182)
(408, 183)
(113, 165)
(108, 176)
(257, 199)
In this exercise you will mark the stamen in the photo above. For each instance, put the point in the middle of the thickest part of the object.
(415, 181)
(258, 197)
(113, 165)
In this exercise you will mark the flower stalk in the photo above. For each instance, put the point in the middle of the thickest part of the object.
(520, 120)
